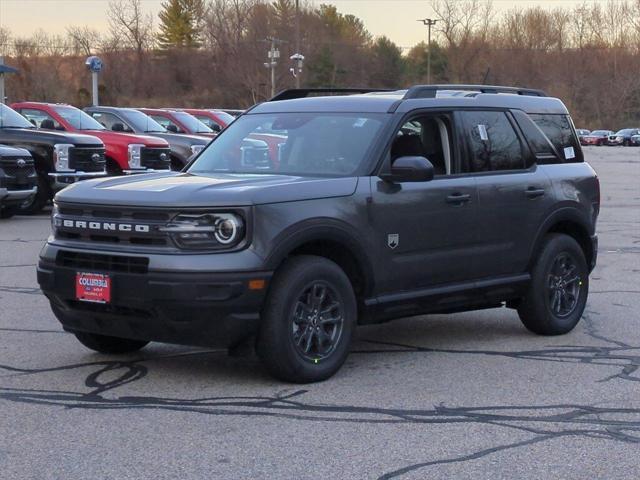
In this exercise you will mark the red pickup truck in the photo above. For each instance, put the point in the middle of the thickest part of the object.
(216, 120)
(125, 152)
(177, 121)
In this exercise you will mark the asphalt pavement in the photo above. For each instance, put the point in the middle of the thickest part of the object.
(465, 396)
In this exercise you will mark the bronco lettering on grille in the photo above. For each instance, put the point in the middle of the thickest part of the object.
(104, 226)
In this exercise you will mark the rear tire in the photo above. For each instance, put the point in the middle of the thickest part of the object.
(559, 287)
(308, 320)
(109, 345)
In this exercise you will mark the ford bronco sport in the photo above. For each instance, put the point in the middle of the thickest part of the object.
(375, 206)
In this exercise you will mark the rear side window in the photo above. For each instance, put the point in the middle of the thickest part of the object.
(492, 141)
(559, 131)
(541, 147)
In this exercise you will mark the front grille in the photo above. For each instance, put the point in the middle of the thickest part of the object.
(87, 159)
(102, 225)
(156, 158)
(106, 263)
(15, 177)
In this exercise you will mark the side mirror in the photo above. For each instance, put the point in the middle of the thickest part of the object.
(216, 128)
(172, 128)
(411, 169)
(117, 127)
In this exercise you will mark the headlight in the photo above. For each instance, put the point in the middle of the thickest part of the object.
(135, 160)
(55, 220)
(196, 149)
(209, 230)
(61, 156)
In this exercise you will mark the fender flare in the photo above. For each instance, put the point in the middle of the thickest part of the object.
(562, 214)
(328, 230)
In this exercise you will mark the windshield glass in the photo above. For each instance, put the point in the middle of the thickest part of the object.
(143, 123)
(10, 118)
(600, 132)
(78, 119)
(192, 123)
(307, 144)
(624, 131)
(225, 117)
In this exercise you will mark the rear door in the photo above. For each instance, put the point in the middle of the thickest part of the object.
(513, 193)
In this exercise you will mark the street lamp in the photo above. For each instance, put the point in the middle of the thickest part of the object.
(429, 23)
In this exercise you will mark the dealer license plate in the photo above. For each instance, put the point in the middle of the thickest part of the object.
(93, 287)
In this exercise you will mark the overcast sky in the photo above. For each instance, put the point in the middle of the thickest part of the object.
(394, 18)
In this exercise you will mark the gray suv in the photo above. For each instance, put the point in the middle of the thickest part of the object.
(310, 215)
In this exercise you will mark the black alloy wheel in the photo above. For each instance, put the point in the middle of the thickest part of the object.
(316, 321)
(564, 285)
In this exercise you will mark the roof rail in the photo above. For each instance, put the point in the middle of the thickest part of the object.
(292, 93)
(430, 91)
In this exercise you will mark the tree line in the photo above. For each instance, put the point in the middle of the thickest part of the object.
(211, 53)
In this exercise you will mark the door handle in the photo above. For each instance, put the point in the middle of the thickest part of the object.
(534, 192)
(458, 198)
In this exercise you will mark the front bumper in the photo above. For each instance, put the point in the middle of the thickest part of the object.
(594, 250)
(64, 179)
(16, 197)
(194, 308)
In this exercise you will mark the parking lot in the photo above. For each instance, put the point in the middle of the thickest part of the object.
(471, 395)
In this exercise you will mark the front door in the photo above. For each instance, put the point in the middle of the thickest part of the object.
(427, 231)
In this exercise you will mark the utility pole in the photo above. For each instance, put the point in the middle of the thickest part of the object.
(272, 61)
(429, 23)
(297, 58)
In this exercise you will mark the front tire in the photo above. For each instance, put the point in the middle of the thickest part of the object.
(109, 345)
(559, 287)
(8, 212)
(36, 203)
(308, 320)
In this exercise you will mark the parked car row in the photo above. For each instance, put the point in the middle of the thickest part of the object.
(44, 146)
(627, 137)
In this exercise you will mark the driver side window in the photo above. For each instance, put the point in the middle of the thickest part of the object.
(426, 136)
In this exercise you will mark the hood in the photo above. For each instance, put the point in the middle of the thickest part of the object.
(171, 190)
(13, 152)
(147, 140)
(52, 137)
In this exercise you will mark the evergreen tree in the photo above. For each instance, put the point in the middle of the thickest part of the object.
(180, 23)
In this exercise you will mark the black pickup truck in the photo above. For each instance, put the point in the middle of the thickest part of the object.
(18, 179)
(60, 158)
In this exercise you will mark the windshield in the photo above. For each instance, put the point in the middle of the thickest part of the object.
(11, 119)
(225, 117)
(143, 123)
(624, 131)
(600, 132)
(307, 144)
(192, 123)
(78, 119)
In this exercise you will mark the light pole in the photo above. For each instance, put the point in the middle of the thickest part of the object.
(297, 58)
(272, 56)
(429, 23)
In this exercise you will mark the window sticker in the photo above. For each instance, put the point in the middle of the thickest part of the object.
(569, 153)
(482, 130)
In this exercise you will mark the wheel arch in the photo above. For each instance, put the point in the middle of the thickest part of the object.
(329, 239)
(568, 221)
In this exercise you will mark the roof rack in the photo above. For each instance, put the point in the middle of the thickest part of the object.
(430, 91)
(293, 93)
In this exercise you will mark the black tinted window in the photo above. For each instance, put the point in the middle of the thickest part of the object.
(493, 143)
(538, 142)
(558, 130)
